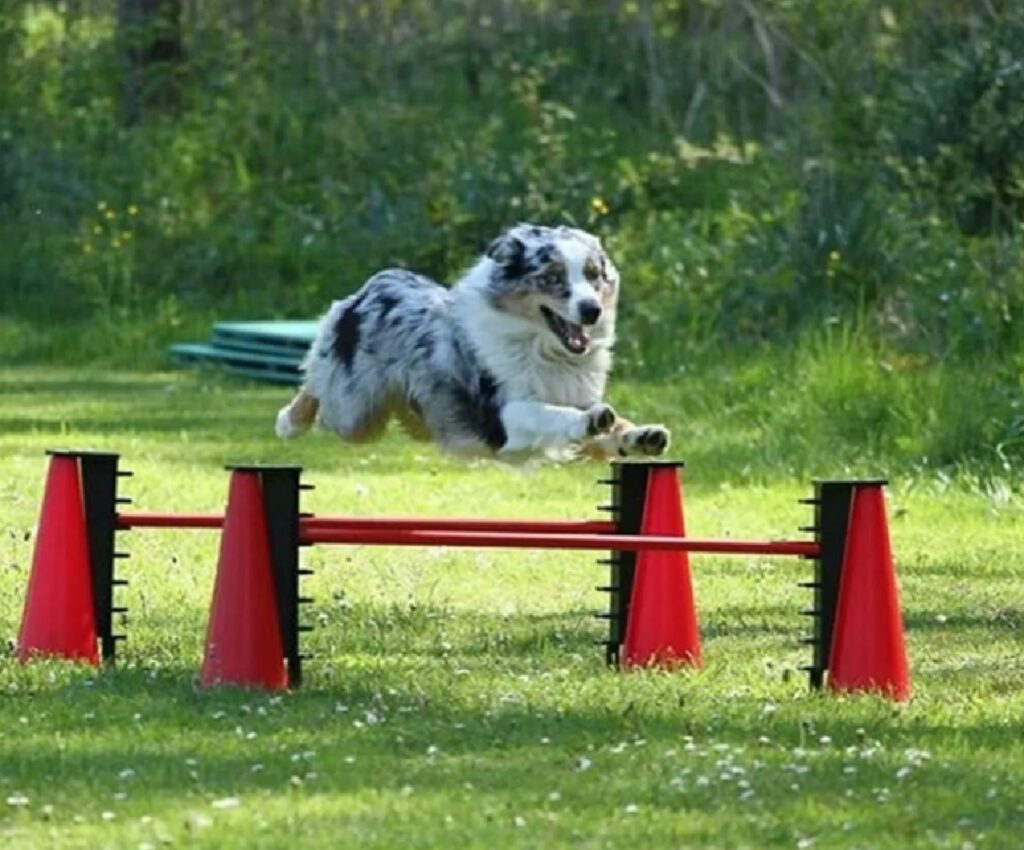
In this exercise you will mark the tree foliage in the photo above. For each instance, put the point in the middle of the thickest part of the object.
(758, 168)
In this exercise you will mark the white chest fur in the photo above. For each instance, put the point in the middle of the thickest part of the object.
(525, 363)
(526, 360)
(528, 372)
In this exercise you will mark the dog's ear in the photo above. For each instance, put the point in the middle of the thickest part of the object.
(509, 252)
(589, 239)
(609, 271)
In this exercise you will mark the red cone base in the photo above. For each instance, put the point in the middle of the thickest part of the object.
(243, 639)
(59, 617)
(868, 652)
(661, 625)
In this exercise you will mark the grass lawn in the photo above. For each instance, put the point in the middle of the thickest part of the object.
(457, 698)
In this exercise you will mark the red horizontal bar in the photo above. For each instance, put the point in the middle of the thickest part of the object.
(147, 519)
(512, 540)
(153, 519)
(513, 534)
(327, 523)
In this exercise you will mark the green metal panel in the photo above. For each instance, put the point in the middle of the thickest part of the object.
(277, 329)
(266, 350)
(291, 335)
(244, 345)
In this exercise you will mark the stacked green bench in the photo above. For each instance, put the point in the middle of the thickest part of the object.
(266, 351)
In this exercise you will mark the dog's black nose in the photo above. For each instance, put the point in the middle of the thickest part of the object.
(590, 312)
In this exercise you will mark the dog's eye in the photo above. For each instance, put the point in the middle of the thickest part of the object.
(591, 271)
(553, 279)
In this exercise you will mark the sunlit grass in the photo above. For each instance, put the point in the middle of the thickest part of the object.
(458, 698)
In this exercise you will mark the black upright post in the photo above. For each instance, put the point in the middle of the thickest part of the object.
(628, 484)
(281, 490)
(832, 501)
(99, 474)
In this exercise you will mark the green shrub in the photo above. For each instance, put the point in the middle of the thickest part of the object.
(955, 121)
(764, 174)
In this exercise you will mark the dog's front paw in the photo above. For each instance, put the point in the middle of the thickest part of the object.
(651, 440)
(600, 419)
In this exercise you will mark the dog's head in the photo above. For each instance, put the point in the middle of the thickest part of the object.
(558, 278)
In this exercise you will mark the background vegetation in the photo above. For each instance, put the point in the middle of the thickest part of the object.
(817, 205)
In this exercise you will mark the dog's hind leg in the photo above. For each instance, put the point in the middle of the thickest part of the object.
(297, 417)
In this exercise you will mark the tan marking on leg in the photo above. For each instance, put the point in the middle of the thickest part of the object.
(412, 423)
(303, 409)
(607, 445)
(368, 431)
(298, 415)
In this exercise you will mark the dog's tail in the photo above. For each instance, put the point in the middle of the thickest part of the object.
(297, 417)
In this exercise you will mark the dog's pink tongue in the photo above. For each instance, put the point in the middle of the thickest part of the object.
(578, 336)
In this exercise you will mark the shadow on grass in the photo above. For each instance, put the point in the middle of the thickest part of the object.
(181, 743)
(432, 631)
(514, 707)
(1009, 620)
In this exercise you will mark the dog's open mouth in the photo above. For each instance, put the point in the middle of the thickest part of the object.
(574, 337)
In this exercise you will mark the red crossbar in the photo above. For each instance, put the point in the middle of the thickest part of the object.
(327, 523)
(153, 519)
(145, 519)
(482, 533)
(520, 540)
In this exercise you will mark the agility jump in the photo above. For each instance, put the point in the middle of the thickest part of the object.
(254, 628)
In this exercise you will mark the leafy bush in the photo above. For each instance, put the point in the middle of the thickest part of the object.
(763, 173)
(955, 123)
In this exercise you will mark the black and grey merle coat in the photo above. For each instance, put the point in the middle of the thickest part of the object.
(395, 349)
(513, 358)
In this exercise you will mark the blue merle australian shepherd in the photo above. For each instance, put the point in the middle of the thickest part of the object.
(512, 361)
